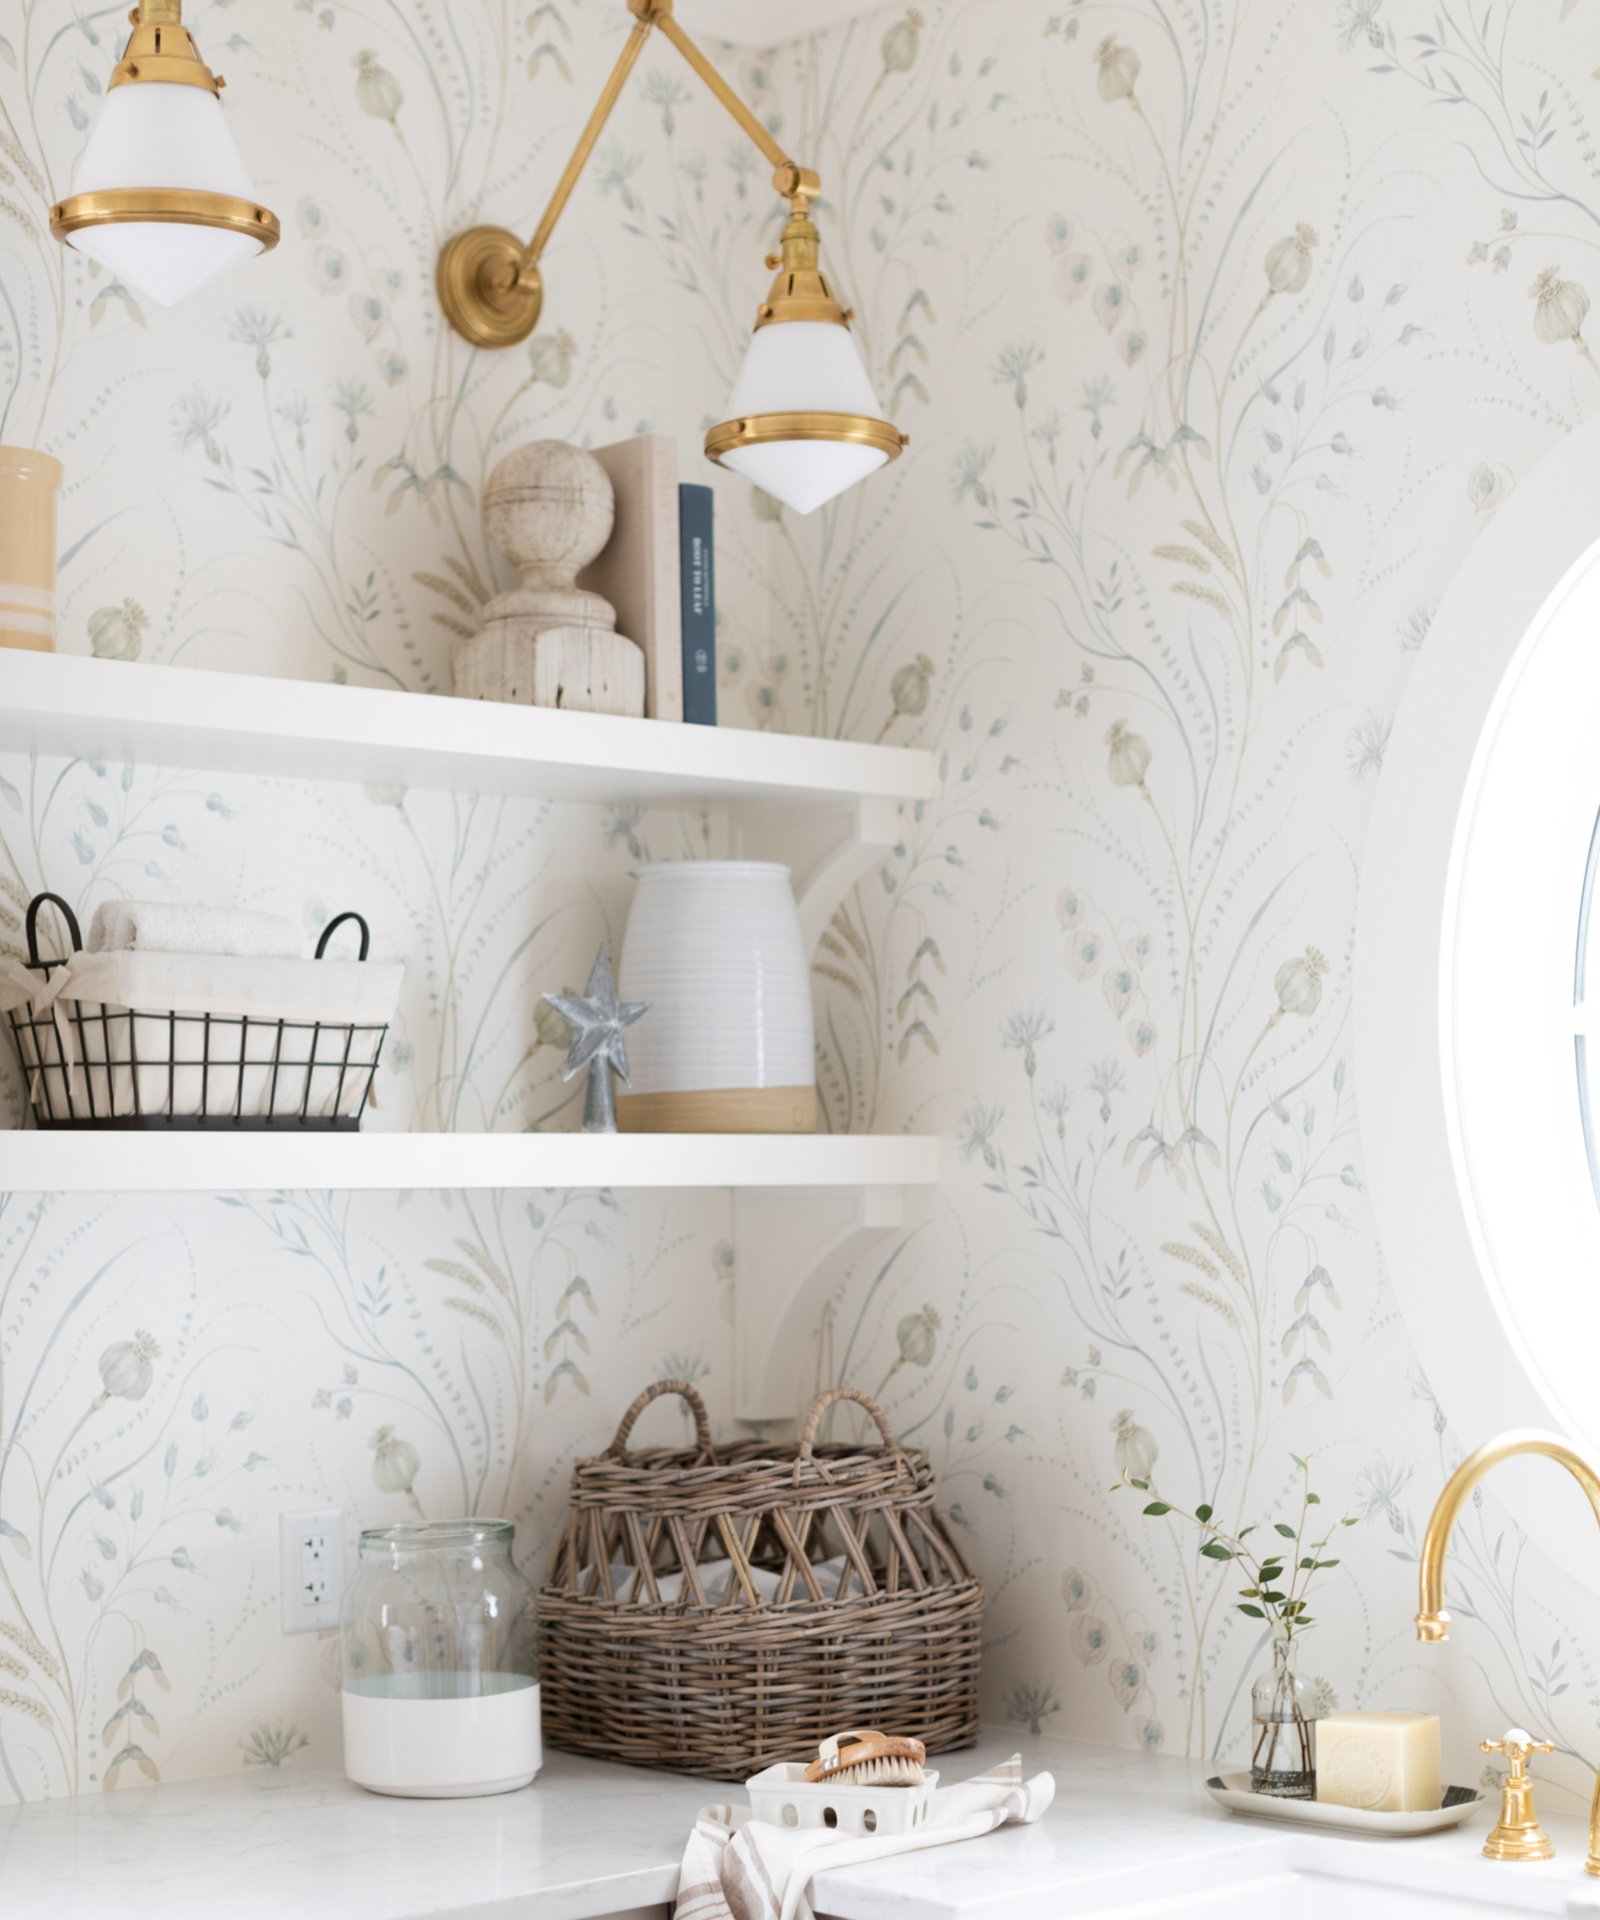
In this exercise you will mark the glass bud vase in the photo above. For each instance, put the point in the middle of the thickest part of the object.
(1283, 1708)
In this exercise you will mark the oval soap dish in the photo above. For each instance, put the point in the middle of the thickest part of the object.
(1232, 1790)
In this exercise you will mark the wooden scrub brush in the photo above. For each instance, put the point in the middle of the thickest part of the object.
(863, 1757)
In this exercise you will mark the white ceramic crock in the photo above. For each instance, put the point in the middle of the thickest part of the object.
(715, 947)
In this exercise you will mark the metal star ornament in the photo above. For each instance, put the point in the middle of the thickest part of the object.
(597, 1018)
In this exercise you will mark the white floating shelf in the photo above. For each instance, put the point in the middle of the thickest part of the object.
(63, 1161)
(206, 722)
(826, 808)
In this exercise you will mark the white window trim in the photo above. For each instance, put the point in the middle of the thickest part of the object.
(1464, 1017)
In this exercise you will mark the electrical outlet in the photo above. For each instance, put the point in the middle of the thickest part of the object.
(311, 1546)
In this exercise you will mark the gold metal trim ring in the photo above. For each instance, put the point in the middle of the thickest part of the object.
(762, 429)
(164, 206)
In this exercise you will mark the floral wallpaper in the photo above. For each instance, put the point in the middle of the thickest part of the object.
(282, 475)
(1219, 332)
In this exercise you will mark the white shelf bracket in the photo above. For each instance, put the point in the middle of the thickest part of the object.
(787, 1247)
(827, 850)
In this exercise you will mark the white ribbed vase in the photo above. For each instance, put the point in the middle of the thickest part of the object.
(728, 1043)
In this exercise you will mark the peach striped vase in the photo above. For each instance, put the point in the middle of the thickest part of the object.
(29, 483)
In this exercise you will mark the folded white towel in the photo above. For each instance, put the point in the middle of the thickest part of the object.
(164, 926)
(747, 1870)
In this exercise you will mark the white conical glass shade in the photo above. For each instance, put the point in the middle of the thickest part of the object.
(152, 133)
(804, 366)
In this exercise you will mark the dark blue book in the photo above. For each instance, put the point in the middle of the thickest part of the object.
(698, 589)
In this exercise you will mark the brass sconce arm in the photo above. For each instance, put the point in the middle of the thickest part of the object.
(1433, 1622)
(786, 176)
(610, 94)
(489, 282)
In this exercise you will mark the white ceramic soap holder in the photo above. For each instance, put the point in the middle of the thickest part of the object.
(784, 1797)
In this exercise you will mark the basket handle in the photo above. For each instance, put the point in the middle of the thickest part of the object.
(32, 925)
(618, 1450)
(831, 1397)
(335, 924)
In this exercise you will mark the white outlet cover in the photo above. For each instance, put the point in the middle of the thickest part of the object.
(311, 1559)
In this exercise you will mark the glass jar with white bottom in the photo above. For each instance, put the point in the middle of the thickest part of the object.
(440, 1694)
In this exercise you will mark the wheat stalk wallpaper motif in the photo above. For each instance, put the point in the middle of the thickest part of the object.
(1219, 330)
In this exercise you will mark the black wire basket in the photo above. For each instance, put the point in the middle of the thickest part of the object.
(139, 1067)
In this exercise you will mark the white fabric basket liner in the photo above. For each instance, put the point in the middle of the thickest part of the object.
(242, 1063)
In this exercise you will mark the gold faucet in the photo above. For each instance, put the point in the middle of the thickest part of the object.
(1433, 1623)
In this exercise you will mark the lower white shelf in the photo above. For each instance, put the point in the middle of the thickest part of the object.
(221, 1162)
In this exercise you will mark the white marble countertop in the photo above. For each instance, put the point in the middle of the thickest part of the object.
(587, 1840)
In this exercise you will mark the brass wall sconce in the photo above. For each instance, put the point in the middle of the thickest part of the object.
(161, 197)
(803, 422)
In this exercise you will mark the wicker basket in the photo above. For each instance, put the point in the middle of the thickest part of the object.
(717, 1610)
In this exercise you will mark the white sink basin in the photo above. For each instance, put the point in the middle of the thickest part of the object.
(1313, 1896)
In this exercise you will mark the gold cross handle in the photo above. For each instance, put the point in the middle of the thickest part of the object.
(1516, 1746)
(1517, 1834)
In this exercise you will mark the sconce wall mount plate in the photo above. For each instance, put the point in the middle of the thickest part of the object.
(491, 292)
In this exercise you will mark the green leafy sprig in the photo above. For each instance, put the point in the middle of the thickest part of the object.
(1279, 1578)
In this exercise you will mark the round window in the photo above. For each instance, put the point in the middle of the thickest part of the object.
(1478, 984)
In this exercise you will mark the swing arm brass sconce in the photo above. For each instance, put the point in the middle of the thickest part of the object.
(488, 280)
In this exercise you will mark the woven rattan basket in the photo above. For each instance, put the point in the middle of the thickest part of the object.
(717, 1610)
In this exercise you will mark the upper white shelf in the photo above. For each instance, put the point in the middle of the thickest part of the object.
(206, 722)
(69, 1161)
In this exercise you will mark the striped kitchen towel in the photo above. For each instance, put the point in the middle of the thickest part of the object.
(754, 1871)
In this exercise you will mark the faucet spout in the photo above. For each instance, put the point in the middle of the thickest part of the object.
(1433, 1622)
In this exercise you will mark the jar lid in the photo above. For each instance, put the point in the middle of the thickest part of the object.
(429, 1536)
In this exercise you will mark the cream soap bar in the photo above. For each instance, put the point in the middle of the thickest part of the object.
(1382, 1762)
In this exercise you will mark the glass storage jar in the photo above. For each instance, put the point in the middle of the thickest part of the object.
(440, 1691)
